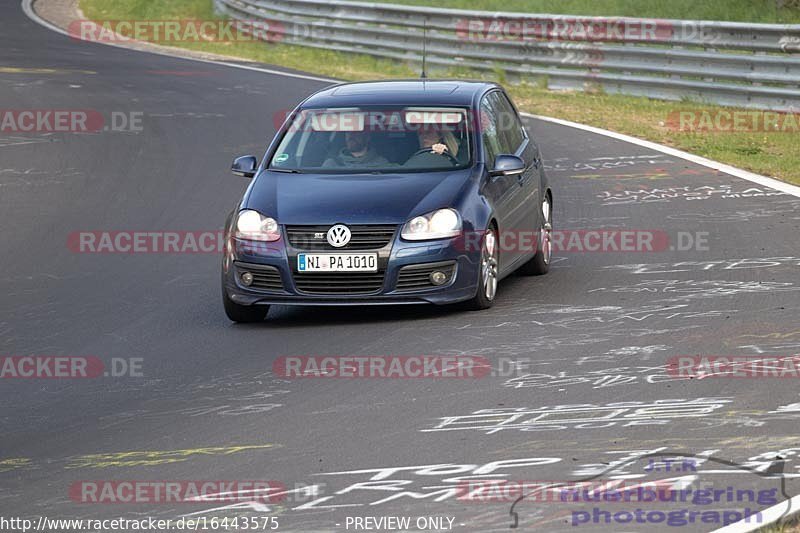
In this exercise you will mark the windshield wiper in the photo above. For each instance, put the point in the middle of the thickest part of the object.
(286, 170)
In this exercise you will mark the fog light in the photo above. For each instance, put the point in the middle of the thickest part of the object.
(438, 277)
(247, 279)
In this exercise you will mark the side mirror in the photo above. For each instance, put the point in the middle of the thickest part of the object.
(245, 166)
(507, 165)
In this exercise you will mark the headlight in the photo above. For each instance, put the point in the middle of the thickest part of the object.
(439, 224)
(253, 226)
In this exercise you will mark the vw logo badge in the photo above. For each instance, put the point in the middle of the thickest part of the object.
(338, 235)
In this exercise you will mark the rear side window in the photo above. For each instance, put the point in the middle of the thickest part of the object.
(502, 130)
(493, 144)
(508, 122)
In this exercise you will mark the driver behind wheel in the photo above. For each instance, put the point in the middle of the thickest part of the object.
(432, 137)
(437, 147)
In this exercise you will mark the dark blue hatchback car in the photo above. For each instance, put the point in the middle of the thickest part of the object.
(391, 192)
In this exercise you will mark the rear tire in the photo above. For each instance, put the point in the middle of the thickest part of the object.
(487, 276)
(540, 263)
(244, 314)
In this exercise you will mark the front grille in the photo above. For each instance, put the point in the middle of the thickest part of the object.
(417, 277)
(339, 282)
(265, 278)
(363, 237)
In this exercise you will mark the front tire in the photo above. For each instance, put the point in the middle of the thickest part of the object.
(244, 314)
(487, 277)
(540, 263)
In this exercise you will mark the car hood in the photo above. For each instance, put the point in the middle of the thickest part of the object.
(352, 198)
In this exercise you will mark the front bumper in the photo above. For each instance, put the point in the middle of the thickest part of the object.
(274, 266)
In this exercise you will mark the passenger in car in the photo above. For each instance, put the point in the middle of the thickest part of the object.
(357, 153)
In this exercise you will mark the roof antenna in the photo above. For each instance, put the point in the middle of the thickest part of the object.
(424, 47)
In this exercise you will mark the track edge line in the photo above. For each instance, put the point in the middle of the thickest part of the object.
(771, 514)
(30, 12)
(782, 186)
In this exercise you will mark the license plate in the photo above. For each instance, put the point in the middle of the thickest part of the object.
(337, 262)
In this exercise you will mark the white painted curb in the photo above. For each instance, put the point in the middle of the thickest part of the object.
(727, 169)
(768, 516)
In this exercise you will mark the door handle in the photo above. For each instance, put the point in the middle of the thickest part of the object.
(536, 162)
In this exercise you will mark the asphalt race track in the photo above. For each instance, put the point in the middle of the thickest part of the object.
(579, 388)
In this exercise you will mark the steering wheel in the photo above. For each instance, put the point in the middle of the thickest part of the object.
(430, 150)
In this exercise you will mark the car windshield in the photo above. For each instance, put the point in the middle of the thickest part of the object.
(368, 140)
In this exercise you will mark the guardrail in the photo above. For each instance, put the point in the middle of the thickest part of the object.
(727, 63)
